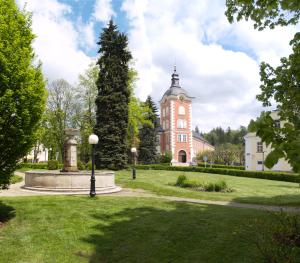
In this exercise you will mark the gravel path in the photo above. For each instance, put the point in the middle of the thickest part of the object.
(17, 190)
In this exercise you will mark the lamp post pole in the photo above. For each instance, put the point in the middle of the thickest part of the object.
(93, 140)
(133, 151)
(93, 180)
(263, 160)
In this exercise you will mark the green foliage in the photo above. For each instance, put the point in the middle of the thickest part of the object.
(219, 186)
(22, 93)
(218, 136)
(58, 116)
(53, 165)
(85, 115)
(15, 179)
(32, 165)
(113, 99)
(277, 240)
(89, 165)
(280, 84)
(80, 165)
(224, 154)
(181, 180)
(167, 157)
(148, 135)
(222, 166)
(264, 13)
(137, 113)
(286, 177)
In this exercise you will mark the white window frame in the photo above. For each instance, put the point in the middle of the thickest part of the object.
(259, 147)
(181, 110)
(181, 124)
(182, 137)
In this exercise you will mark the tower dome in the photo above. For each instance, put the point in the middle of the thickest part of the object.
(175, 88)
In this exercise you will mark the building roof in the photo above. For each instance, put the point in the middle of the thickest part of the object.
(175, 88)
(199, 137)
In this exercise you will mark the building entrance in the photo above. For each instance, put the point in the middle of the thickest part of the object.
(182, 156)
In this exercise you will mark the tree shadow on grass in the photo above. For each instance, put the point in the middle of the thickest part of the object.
(6, 213)
(175, 232)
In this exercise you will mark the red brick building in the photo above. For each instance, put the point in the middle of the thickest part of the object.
(177, 135)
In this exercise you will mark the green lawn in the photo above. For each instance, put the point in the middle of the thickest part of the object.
(246, 190)
(119, 229)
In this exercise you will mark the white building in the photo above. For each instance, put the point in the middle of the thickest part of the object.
(256, 152)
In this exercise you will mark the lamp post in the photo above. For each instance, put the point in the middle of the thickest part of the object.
(133, 151)
(93, 140)
(263, 161)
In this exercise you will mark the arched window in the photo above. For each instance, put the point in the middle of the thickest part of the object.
(181, 110)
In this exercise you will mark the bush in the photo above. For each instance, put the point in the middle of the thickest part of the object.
(278, 176)
(222, 166)
(15, 179)
(181, 180)
(80, 165)
(53, 165)
(166, 158)
(278, 238)
(32, 165)
(220, 186)
(89, 165)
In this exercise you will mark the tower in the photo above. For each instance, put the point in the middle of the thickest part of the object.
(176, 122)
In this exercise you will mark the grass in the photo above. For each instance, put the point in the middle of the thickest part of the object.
(119, 229)
(16, 179)
(246, 190)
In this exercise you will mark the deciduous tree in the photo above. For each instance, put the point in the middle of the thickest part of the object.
(22, 92)
(280, 84)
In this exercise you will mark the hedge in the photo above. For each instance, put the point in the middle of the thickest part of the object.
(277, 176)
(34, 165)
(222, 166)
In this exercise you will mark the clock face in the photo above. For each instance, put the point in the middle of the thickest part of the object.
(181, 98)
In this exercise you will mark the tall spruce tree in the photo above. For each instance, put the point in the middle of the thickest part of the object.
(113, 98)
(147, 135)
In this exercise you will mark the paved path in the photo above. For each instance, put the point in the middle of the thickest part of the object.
(17, 190)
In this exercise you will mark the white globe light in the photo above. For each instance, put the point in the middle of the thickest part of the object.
(133, 150)
(93, 139)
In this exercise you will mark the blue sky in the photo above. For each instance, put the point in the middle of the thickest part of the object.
(218, 62)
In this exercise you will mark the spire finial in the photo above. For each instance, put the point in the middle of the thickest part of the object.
(174, 68)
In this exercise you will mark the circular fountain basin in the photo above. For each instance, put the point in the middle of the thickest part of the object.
(77, 182)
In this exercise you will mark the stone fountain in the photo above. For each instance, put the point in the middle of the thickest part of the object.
(70, 179)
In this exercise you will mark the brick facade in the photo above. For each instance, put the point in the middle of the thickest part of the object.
(176, 122)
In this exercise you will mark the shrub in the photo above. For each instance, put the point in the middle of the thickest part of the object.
(15, 179)
(166, 158)
(220, 186)
(278, 238)
(222, 166)
(181, 180)
(80, 165)
(53, 165)
(279, 176)
(89, 165)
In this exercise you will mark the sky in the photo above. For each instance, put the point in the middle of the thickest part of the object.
(217, 62)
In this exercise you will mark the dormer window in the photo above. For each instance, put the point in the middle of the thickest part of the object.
(181, 110)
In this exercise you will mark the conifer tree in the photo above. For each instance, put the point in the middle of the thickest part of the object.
(147, 135)
(112, 100)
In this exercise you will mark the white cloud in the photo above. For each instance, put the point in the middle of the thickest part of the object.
(103, 11)
(57, 42)
(209, 53)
